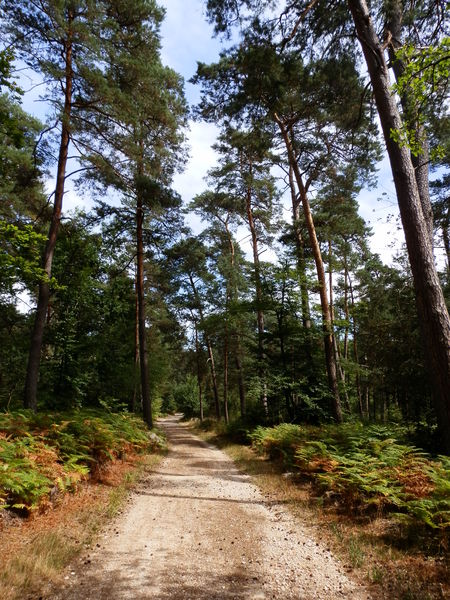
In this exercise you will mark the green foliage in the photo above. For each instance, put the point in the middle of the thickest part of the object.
(186, 398)
(40, 454)
(365, 467)
(6, 71)
(20, 255)
(278, 442)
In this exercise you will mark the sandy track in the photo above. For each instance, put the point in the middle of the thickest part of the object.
(197, 528)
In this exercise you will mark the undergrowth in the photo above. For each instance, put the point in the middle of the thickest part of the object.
(365, 468)
(42, 455)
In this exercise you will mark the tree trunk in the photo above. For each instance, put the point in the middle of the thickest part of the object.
(421, 161)
(34, 357)
(241, 386)
(259, 312)
(225, 375)
(301, 263)
(136, 348)
(446, 239)
(231, 293)
(346, 311)
(212, 366)
(337, 351)
(199, 377)
(143, 352)
(432, 310)
(326, 315)
(362, 408)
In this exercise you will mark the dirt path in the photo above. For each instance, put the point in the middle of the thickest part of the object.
(197, 528)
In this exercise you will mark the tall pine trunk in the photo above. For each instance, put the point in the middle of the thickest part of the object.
(431, 307)
(258, 288)
(136, 347)
(330, 358)
(34, 357)
(231, 296)
(212, 365)
(301, 263)
(143, 352)
(199, 377)
(225, 374)
(421, 160)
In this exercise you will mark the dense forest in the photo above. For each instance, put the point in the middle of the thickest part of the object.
(129, 310)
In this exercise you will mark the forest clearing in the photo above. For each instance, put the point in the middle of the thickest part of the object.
(237, 212)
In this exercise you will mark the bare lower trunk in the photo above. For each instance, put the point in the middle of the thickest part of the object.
(326, 314)
(212, 365)
(446, 239)
(240, 381)
(259, 312)
(199, 377)
(300, 244)
(225, 376)
(362, 410)
(34, 357)
(136, 350)
(143, 352)
(431, 307)
(212, 368)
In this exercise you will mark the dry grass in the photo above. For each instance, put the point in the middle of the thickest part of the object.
(379, 552)
(35, 550)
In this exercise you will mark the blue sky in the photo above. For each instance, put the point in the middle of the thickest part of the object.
(186, 39)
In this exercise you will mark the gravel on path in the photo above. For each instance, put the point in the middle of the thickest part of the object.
(197, 528)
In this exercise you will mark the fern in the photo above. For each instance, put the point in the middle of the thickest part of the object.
(41, 452)
(366, 467)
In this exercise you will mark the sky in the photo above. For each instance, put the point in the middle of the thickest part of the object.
(186, 39)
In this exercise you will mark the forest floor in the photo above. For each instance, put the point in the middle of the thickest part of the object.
(198, 528)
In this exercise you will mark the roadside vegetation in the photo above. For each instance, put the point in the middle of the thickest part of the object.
(45, 455)
(279, 311)
(381, 503)
(68, 473)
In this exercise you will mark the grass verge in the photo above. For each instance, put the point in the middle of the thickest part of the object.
(36, 549)
(394, 559)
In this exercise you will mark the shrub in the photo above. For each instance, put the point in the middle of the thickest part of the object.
(365, 467)
(186, 399)
(40, 454)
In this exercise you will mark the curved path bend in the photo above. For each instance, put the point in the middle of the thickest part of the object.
(197, 528)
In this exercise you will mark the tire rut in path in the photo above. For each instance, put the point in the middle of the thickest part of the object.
(197, 528)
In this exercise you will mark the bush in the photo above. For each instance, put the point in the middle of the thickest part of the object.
(186, 399)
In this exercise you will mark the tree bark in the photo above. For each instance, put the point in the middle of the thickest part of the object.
(212, 366)
(326, 314)
(421, 161)
(258, 287)
(136, 348)
(199, 377)
(362, 409)
(231, 294)
(337, 351)
(433, 313)
(225, 375)
(34, 357)
(301, 263)
(241, 386)
(143, 351)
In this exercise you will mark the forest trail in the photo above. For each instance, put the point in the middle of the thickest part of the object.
(197, 528)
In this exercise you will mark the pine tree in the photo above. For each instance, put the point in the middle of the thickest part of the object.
(135, 142)
(56, 39)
